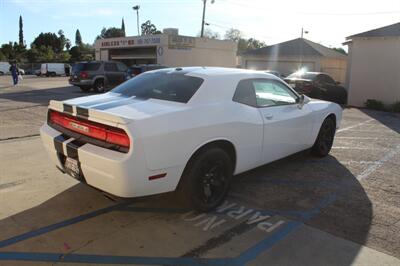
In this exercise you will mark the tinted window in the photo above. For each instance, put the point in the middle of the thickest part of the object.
(327, 79)
(122, 67)
(245, 93)
(110, 67)
(86, 66)
(160, 85)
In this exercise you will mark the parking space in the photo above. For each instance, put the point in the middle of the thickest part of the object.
(339, 210)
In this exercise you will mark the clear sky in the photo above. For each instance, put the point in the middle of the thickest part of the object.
(328, 22)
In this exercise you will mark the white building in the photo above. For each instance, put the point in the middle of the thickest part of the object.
(374, 66)
(169, 49)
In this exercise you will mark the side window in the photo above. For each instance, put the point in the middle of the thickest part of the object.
(110, 67)
(272, 93)
(328, 79)
(245, 93)
(121, 67)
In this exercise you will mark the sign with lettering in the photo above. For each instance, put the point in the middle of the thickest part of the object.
(130, 42)
(176, 41)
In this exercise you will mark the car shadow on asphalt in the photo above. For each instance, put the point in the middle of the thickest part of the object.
(291, 187)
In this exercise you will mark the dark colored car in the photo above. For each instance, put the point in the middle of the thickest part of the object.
(99, 75)
(317, 85)
(138, 69)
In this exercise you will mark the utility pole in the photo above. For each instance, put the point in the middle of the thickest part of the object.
(301, 47)
(204, 14)
(137, 17)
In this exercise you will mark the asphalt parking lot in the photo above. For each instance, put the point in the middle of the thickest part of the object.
(340, 210)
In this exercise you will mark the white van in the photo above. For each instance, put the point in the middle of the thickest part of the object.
(52, 69)
(4, 68)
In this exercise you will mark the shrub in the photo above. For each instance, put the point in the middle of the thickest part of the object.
(375, 105)
(395, 107)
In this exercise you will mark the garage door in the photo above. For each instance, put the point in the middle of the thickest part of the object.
(284, 67)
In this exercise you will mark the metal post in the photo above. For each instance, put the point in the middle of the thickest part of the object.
(137, 17)
(137, 23)
(301, 50)
(202, 21)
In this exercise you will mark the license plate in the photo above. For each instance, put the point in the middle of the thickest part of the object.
(75, 76)
(72, 167)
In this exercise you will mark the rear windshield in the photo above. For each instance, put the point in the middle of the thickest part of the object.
(175, 87)
(86, 66)
(310, 76)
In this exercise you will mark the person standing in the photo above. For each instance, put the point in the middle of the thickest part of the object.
(14, 73)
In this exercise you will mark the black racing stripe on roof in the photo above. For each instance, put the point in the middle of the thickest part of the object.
(119, 103)
(104, 100)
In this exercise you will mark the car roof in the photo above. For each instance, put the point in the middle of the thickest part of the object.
(205, 72)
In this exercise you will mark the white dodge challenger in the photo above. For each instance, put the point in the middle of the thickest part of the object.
(185, 129)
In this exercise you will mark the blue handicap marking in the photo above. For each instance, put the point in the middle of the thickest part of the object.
(246, 256)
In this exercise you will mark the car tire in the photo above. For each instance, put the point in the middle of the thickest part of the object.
(324, 141)
(206, 180)
(98, 85)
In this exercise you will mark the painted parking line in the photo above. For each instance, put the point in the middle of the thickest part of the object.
(373, 167)
(356, 125)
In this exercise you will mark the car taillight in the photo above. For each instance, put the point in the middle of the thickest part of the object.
(94, 130)
(84, 75)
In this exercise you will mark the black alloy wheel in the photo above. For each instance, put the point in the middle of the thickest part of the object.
(207, 179)
(326, 135)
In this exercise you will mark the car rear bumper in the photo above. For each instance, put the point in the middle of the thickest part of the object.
(84, 82)
(120, 174)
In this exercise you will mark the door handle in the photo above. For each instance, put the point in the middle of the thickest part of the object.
(268, 116)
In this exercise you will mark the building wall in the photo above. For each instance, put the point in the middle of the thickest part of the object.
(191, 52)
(207, 52)
(336, 68)
(374, 70)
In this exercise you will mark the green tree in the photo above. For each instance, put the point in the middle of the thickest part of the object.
(2, 56)
(110, 33)
(340, 50)
(243, 43)
(233, 35)
(49, 40)
(62, 40)
(123, 27)
(149, 29)
(21, 32)
(78, 38)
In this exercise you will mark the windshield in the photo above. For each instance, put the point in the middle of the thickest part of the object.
(175, 87)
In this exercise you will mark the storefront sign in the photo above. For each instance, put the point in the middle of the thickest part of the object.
(125, 42)
(176, 42)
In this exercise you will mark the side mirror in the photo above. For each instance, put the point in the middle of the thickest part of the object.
(303, 100)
